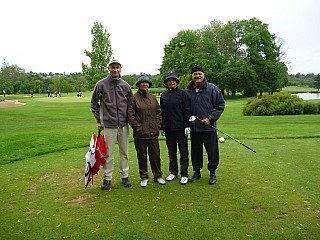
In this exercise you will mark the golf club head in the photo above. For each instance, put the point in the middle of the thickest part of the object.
(192, 118)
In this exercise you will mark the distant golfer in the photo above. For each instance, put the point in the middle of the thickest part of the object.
(206, 103)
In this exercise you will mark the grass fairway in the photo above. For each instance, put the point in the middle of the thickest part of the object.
(273, 194)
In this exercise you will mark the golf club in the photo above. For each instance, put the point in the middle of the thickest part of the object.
(193, 118)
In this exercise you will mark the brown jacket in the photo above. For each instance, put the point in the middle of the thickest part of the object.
(144, 115)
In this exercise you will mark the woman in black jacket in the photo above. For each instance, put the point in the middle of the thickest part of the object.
(175, 115)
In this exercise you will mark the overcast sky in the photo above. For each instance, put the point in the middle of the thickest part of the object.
(51, 36)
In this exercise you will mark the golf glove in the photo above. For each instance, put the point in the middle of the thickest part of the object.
(187, 131)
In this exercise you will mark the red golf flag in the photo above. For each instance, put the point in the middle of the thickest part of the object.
(95, 157)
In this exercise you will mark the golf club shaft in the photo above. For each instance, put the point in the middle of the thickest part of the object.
(230, 137)
(234, 139)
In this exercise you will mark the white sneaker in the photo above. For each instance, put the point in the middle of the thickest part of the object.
(171, 177)
(184, 180)
(144, 183)
(161, 181)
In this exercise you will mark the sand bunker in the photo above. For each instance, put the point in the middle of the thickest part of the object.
(10, 103)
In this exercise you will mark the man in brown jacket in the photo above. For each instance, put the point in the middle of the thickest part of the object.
(144, 116)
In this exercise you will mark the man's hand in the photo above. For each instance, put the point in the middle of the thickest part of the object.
(187, 131)
(206, 121)
(100, 127)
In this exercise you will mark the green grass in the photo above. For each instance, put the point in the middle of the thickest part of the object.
(273, 194)
(298, 89)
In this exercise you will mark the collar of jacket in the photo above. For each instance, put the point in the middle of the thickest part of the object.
(115, 79)
(143, 93)
(191, 84)
(173, 89)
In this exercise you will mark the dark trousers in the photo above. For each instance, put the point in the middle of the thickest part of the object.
(174, 139)
(149, 147)
(210, 142)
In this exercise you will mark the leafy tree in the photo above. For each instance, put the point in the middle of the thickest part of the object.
(10, 74)
(262, 53)
(37, 87)
(253, 45)
(100, 55)
(157, 81)
(180, 55)
(132, 79)
(35, 82)
(190, 48)
(222, 35)
(237, 56)
(282, 76)
(238, 77)
(211, 60)
(317, 82)
(293, 80)
(249, 78)
(60, 83)
(81, 83)
(18, 86)
(231, 79)
(47, 84)
(8, 87)
(24, 87)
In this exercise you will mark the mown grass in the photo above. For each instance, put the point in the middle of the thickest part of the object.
(299, 89)
(273, 194)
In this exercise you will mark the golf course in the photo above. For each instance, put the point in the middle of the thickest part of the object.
(271, 194)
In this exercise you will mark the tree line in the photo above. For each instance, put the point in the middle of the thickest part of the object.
(239, 56)
(305, 80)
(15, 80)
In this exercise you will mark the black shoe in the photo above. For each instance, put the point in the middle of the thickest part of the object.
(195, 176)
(106, 185)
(213, 179)
(126, 182)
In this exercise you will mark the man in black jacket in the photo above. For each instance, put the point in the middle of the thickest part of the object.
(175, 112)
(207, 104)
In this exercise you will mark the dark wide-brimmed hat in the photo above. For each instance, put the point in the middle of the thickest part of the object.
(143, 78)
(171, 74)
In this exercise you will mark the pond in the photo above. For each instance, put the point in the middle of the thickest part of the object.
(308, 96)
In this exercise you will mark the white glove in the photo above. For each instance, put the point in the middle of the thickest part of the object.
(187, 131)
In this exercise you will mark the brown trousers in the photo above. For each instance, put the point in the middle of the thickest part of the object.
(149, 147)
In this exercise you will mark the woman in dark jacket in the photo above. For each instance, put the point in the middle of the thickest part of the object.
(175, 115)
(144, 116)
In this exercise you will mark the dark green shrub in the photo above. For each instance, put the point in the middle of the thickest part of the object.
(310, 108)
(276, 104)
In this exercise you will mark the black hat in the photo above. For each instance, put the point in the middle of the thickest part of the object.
(171, 74)
(197, 68)
(143, 78)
